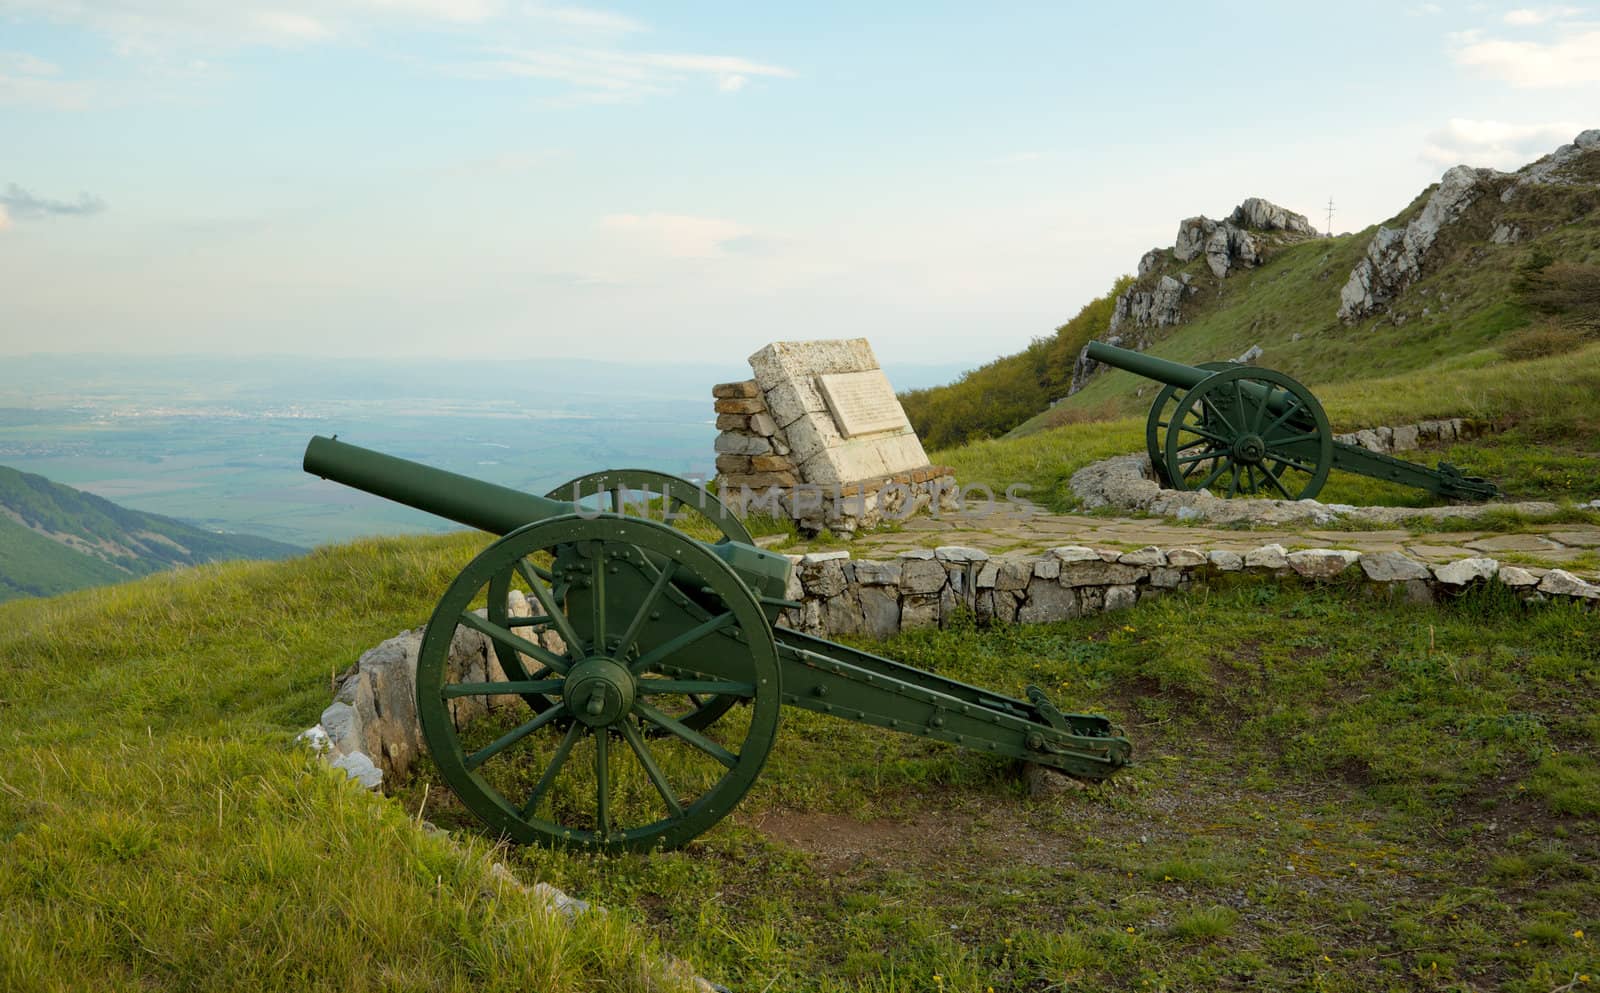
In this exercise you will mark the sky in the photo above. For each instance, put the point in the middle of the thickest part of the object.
(479, 179)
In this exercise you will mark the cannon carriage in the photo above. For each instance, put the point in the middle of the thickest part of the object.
(1247, 431)
(640, 694)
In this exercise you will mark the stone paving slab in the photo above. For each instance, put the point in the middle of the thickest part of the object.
(1546, 545)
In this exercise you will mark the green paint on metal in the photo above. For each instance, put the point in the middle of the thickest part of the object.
(1243, 431)
(650, 638)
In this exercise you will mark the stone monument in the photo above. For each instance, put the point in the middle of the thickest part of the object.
(818, 435)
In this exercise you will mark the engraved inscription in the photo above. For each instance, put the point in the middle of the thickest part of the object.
(862, 403)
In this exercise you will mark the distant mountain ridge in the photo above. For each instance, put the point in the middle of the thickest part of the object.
(54, 539)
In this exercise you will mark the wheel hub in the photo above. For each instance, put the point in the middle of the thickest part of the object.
(599, 691)
(1249, 449)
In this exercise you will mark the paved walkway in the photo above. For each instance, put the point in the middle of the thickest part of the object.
(1573, 547)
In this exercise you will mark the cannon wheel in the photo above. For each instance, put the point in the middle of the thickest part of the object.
(605, 690)
(682, 497)
(608, 491)
(1158, 419)
(1220, 434)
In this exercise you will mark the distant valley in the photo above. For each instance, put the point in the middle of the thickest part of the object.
(54, 539)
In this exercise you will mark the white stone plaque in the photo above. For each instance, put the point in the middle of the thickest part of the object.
(862, 402)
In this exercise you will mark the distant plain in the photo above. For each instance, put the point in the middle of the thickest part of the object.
(217, 442)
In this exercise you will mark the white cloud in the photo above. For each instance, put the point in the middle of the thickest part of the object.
(457, 11)
(1495, 143)
(1571, 60)
(613, 76)
(582, 17)
(290, 26)
(5, 218)
(1528, 17)
(1425, 10)
(678, 236)
(27, 80)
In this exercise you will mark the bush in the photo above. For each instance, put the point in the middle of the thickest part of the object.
(1542, 340)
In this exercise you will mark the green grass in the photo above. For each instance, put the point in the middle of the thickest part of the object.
(1332, 792)
(159, 830)
(1546, 445)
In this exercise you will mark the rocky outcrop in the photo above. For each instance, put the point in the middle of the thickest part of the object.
(1241, 241)
(1557, 167)
(1395, 257)
(1264, 215)
(1230, 244)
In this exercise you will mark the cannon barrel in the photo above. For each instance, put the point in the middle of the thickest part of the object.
(1185, 376)
(1161, 370)
(496, 509)
(458, 498)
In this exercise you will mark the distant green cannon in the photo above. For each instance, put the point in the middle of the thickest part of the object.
(640, 698)
(1255, 432)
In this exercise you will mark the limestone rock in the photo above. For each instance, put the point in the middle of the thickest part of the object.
(1226, 561)
(728, 443)
(1193, 233)
(1271, 556)
(1395, 258)
(921, 575)
(1392, 567)
(1100, 574)
(1321, 563)
(1229, 246)
(1264, 215)
(742, 390)
(359, 767)
(1516, 577)
(1012, 573)
(1560, 582)
(919, 611)
(1075, 553)
(1121, 597)
(1463, 571)
(1184, 558)
(870, 573)
(880, 611)
(960, 553)
(1149, 555)
(1047, 602)
(1152, 261)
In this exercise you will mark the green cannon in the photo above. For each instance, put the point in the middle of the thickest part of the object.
(636, 695)
(1256, 432)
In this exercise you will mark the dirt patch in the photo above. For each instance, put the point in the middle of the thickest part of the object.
(840, 840)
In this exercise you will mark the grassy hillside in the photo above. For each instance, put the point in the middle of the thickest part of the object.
(1546, 447)
(54, 538)
(158, 830)
(1476, 303)
(1332, 793)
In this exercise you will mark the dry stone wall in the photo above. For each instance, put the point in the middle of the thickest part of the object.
(371, 732)
(928, 588)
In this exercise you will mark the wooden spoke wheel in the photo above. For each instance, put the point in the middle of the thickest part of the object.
(1160, 417)
(658, 496)
(1249, 432)
(590, 748)
(655, 496)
